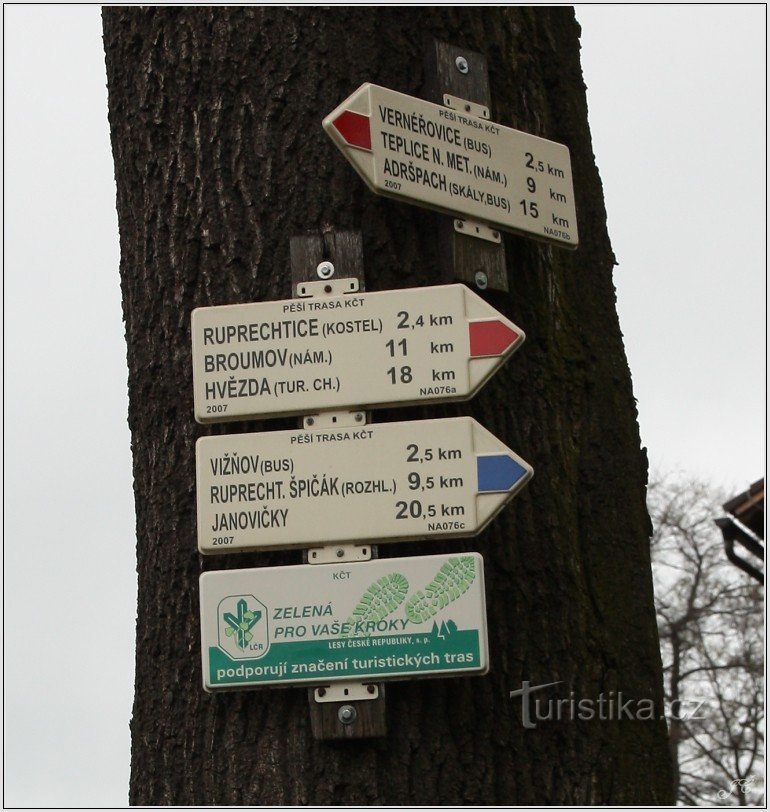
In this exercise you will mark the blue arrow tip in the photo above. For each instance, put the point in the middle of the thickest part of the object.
(498, 472)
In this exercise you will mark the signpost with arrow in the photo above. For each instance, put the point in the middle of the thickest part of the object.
(384, 481)
(458, 162)
(418, 345)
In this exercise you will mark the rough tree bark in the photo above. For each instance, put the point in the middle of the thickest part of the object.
(219, 160)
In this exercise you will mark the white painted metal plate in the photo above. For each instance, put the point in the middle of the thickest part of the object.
(382, 482)
(478, 230)
(465, 106)
(378, 620)
(346, 692)
(410, 149)
(334, 419)
(339, 553)
(318, 287)
(417, 345)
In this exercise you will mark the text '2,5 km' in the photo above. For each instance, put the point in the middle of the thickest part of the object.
(442, 159)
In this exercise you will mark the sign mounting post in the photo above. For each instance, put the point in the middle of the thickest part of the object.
(454, 74)
(337, 255)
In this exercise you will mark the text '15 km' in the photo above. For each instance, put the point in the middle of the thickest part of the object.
(432, 156)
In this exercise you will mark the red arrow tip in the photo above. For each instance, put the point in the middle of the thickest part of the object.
(490, 338)
(354, 128)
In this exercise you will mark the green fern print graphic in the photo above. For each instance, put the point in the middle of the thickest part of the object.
(451, 581)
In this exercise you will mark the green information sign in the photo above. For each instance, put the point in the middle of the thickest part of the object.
(315, 624)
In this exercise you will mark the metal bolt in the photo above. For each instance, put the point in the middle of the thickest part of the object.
(461, 63)
(325, 270)
(371, 689)
(309, 421)
(459, 223)
(340, 553)
(359, 417)
(322, 692)
(347, 714)
(481, 280)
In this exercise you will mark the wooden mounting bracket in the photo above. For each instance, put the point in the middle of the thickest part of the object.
(322, 258)
(479, 263)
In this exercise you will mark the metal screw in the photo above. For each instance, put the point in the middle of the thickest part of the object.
(325, 270)
(309, 421)
(371, 689)
(359, 417)
(461, 63)
(322, 692)
(459, 224)
(347, 714)
(340, 553)
(481, 280)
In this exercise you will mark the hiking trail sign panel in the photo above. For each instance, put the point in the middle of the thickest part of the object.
(389, 348)
(391, 618)
(385, 481)
(419, 152)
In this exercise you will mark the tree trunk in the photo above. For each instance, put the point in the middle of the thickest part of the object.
(220, 159)
(675, 731)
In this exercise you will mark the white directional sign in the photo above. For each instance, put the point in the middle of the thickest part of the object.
(418, 345)
(458, 163)
(383, 619)
(384, 481)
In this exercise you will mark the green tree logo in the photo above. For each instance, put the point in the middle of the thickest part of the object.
(240, 626)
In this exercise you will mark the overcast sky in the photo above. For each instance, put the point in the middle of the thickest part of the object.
(677, 112)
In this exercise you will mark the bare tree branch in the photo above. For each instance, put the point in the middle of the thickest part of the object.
(711, 635)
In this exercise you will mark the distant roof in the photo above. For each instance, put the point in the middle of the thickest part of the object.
(749, 508)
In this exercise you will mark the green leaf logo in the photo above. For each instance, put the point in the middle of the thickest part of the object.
(241, 625)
